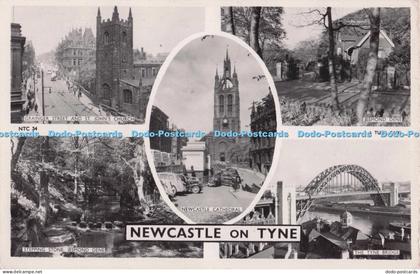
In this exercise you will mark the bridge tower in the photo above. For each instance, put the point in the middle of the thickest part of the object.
(393, 195)
(285, 209)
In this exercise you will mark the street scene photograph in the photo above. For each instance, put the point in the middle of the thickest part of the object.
(213, 87)
(332, 66)
(67, 201)
(85, 64)
(352, 201)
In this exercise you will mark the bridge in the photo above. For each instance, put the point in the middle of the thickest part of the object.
(344, 180)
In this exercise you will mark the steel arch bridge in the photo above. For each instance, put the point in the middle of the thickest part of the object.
(340, 179)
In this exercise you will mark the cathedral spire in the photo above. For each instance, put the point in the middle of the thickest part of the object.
(130, 16)
(226, 66)
(115, 15)
(99, 13)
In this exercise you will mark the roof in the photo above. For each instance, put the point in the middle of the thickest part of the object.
(151, 62)
(346, 214)
(147, 81)
(194, 146)
(350, 37)
(131, 82)
(346, 232)
(381, 32)
(342, 244)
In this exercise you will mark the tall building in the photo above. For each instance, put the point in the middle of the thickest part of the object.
(120, 86)
(263, 118)
(17, 45)
(159, 121)
(226, 99)
(76, 48)
(114, 57)
(226, 116)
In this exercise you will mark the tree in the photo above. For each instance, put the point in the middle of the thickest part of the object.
(28, 59)
(254, 31)
(270, 27)
(325, 18)
(331, 61)
(305, 50)
(16, 147)
(375, 21)
(229, 22)
(44, 199)
(87, 73)
(137, 167)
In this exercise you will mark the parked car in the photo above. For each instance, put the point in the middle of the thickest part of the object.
(192, 184)
(172, 182)
(226, 177)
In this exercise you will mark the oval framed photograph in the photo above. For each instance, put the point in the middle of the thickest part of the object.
(214, 122)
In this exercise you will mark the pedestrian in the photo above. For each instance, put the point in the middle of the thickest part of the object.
(36, 107)
(192, 172)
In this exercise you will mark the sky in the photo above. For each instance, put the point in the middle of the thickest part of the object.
(301, 160)
(294, 18)
(186, 91)
(157, 29)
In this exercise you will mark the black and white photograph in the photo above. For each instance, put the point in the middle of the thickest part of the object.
(68, 201)
(352, 201)
(332, 66)
(213, 93)
(85, 64)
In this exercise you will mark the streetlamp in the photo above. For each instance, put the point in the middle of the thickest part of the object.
(43, 95)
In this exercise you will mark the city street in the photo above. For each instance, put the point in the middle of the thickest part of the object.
(59, 101)
(218, 204)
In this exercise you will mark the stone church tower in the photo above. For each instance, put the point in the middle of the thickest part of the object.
(114, 57)
(226, 115)
(226, 99)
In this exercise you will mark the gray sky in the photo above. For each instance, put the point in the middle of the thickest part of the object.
(157, 29)
(294, 17)
(186, 91)
(301, 160)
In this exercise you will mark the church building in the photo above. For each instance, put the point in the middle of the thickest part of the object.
(226, 117)
(118, 87)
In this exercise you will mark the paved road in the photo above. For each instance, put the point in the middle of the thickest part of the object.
(59, 101)
(218, 204)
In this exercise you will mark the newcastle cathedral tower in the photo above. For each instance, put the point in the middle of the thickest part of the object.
(226, 116)
(226, 99)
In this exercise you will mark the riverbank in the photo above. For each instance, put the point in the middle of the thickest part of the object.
(384, 211)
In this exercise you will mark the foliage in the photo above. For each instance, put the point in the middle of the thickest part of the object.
(28, 59)
(304, 50)
(299, 114)
(87, 73)
(271, 31)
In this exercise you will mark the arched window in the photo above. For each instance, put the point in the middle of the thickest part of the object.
(221, 104)
(128, 96)
(230, 104)
(106, 91)
(106, 38)
(124, 37)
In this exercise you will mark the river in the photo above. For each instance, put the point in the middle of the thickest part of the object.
(368, 223)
